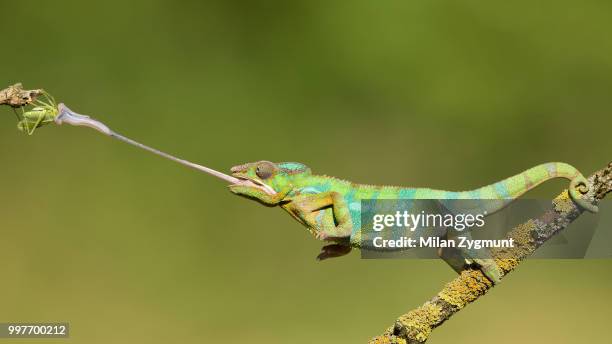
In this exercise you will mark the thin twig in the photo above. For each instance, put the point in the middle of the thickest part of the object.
(15, 96)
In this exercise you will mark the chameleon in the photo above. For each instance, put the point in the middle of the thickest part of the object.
(330, 208)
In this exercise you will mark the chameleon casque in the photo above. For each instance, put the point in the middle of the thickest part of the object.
(330, 207)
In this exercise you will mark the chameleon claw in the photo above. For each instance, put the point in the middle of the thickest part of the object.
(321, 236)
(490, 269)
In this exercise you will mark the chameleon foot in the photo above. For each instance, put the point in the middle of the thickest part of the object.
(459, 263)
(333, 251)
(490, 269)
(461, 258)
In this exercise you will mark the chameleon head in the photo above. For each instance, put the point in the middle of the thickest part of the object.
(263, 178)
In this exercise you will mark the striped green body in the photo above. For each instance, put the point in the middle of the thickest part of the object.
(492, 197)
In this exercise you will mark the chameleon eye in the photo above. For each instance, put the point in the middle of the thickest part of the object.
(264, 171)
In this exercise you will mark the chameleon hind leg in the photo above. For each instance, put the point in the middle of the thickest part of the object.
(459, 258)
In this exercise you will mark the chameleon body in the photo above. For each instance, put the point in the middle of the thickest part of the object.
(330, 208)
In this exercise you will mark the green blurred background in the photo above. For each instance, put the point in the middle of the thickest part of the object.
(131, 248)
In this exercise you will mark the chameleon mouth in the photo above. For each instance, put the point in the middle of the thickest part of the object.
(254, 184)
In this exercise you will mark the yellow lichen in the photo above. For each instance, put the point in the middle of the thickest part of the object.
(522, 233)
(563, 203)
(418, 323)
(508, 258)
(507, 264)
(466, 288)
(387, 340)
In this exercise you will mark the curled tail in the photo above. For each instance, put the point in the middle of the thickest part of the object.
(511, 188)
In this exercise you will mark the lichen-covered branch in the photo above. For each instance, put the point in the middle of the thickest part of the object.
(416, 325)
(15, 96)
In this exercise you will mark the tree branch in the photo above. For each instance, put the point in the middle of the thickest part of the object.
(417, 325)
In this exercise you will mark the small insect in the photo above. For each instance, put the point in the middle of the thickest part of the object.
(43, 112)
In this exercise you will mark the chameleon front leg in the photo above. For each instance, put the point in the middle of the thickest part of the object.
(308, 208)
